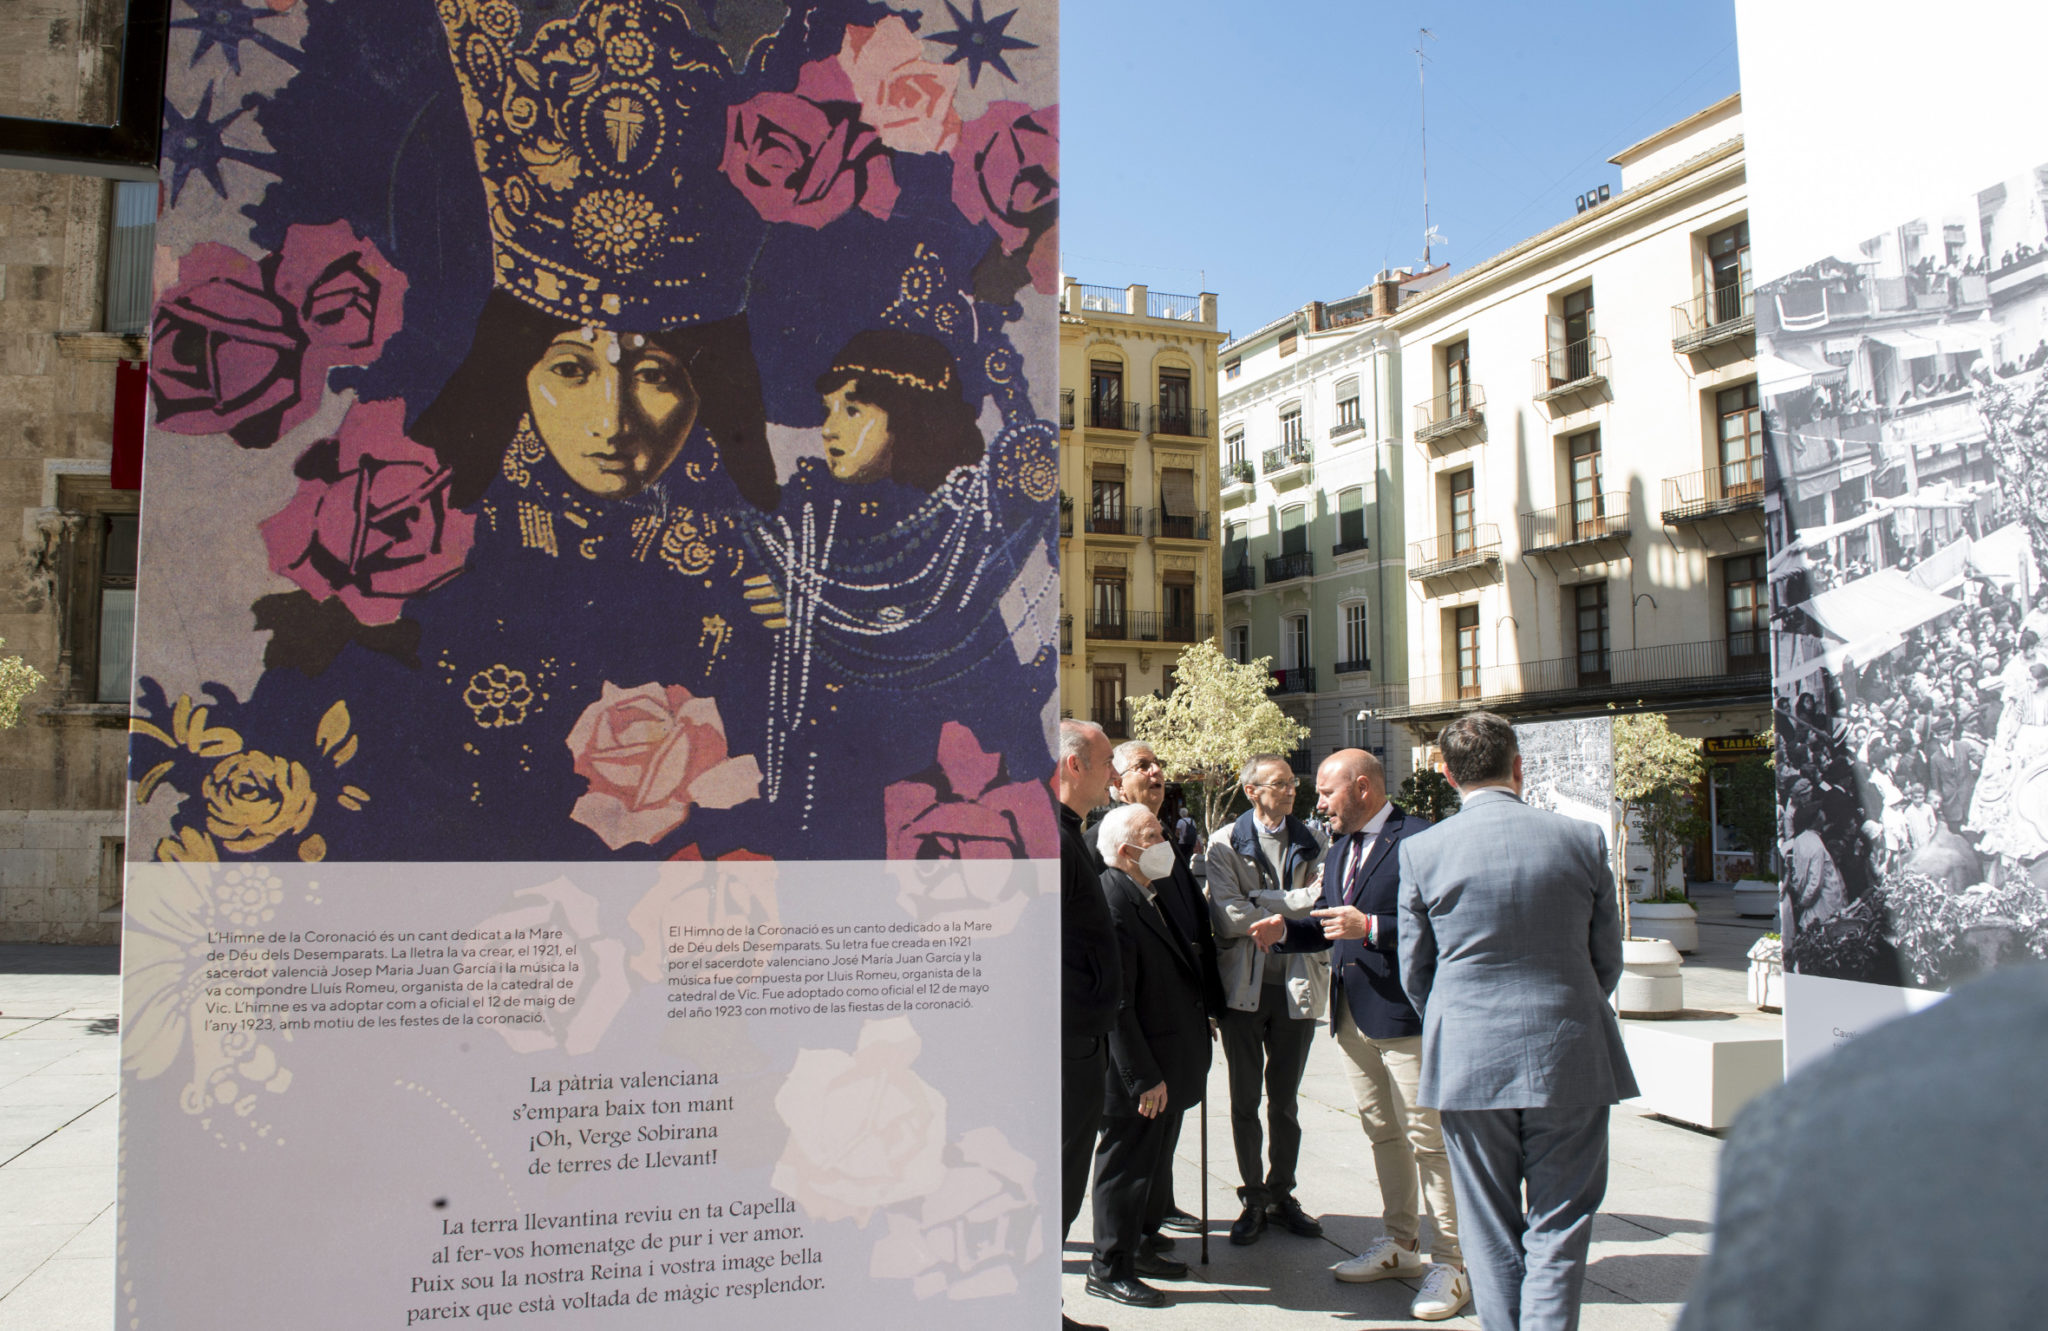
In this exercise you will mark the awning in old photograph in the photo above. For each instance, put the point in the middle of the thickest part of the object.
(1885, 603)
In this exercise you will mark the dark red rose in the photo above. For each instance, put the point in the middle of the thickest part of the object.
(227, 355)
(805, 156)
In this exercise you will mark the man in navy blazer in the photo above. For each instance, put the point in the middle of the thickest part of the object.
(1378, 1029)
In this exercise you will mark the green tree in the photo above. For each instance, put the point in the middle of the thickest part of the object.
(1656, 776)
(1749, 804)
(18, 679)
(1216, 719)
(1426, 792)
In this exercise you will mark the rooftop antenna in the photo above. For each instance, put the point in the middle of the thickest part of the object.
(1422, 85)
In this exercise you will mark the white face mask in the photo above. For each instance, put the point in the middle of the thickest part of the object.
(1156, 862)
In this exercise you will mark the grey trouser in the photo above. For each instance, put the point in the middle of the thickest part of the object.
(1527, 1262)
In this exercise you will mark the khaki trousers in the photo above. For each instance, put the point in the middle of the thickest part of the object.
(1407, 1140)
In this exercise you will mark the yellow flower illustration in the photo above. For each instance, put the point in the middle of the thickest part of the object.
(252, 799)
(499, 696)
(190, 846)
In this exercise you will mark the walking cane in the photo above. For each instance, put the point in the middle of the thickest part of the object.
(1205, 1180)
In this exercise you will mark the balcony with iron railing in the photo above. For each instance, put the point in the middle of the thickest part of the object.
(1112, 624)
(1066, 635)
(1290, 565)
(1182, 422)
(1595, 518)
(1179, 526)
(1066, 408)
(1571, 367)
(1118, 521)
(1291, 454)
(1066, 514)
(1238, 472)
(1450, 413)
(1115, 723)
(1112, 413)
(1165, 305)
(1301, 679)
(1358, 667)
(1712, 318)
(1239, 578)
(1350, 545)
(1728, 488)
(1163, 626)
(1716, 670)
(1455, 551)
(1346, 426)
(1100, 299)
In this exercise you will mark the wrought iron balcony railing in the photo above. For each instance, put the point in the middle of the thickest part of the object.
(1066, 515)
(1116, 522)
(1239, 578)
(1468, 547)
(1066, 635)
(1350, 545)
(1111, 624)
(1301, 679)
(1109, 413)
(1358, 667)
(1184, 422)
(1598, 518)
(1164, 626)
(1714, 317)
(1280, 568)
(1180, 526)
(1571, 367)
(1720, 668)
(1293, 453)
(1238, 472)
(1066, 408)
(1728, 488)
(1451, 412)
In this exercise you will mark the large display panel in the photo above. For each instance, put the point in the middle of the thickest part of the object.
(1901, 330)
(596, 666)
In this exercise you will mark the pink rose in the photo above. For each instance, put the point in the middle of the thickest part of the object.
(242, 347)
(370, 523)
(1006, 173)
(804, 156)
(908, 99)
(349, 298)
(651, 755)
(226, 355)
(961, 810)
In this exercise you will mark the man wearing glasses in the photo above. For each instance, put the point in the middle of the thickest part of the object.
(1267, 864)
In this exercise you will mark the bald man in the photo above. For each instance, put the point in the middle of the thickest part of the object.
(1378, 1029)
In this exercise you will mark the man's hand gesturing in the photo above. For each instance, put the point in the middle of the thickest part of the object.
(1268, 932)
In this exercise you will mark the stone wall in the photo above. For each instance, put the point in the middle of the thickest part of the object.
(61, 768)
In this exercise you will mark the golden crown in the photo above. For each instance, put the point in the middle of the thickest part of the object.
(604, 203)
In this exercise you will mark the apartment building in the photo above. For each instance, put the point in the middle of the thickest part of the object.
(1584, 478)
(1139, 576)
(1312, 574)
(75, 250)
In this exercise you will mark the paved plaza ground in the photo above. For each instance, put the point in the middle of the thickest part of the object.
(59, 1010)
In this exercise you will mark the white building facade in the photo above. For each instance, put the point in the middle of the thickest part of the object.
(1583, 461)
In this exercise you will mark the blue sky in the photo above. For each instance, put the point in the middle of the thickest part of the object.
(1274, 147)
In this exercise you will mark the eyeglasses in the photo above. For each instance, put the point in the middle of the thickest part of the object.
(1277, 785)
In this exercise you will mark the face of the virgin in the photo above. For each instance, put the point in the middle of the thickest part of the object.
(612, 408)
(856, 438)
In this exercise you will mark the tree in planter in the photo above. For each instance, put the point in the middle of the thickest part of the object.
(18, 679)
(1749, 804)
(1216, 719)
(1656, 775)
(1427, 792)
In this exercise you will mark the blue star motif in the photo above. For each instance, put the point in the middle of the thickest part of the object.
(195, 143)
(981, 41)
(227, 24)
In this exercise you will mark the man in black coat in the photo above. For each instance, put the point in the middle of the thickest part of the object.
(1091, 978)
(1158, 1057)
(1377, 1028)
(1141, 779)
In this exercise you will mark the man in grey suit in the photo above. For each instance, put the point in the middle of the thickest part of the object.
(1510, 944)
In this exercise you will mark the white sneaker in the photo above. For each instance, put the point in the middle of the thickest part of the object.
(1384, 1260)
(1444, 1292)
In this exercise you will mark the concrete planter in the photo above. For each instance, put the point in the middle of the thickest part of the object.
(1651, 985)
(1756, 899)
(1675, 921)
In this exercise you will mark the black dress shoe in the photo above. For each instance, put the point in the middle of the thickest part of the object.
(1155, 1243)
(1153, 1266)
(1250, 1226)
(1181, 1222)
(1287, 1213)
(1069, 1324)
(1125, 1289)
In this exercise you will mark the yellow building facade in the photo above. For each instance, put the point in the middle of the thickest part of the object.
(1140, 552)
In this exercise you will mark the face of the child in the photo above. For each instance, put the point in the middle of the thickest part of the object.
(856, 438)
